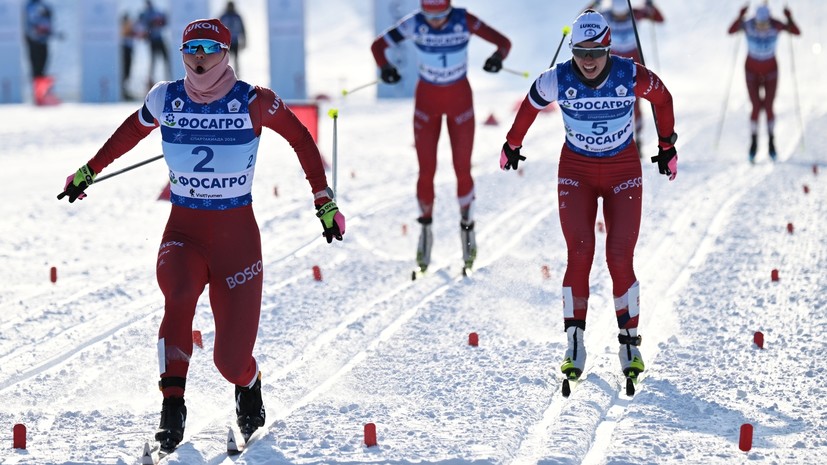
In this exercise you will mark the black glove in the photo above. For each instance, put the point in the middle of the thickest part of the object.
(77, 183)
(333, 222)
(390, 75)
(667, 160)
(510, 158)
(494, 63)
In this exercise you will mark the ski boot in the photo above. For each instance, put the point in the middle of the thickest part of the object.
(753, 147)
(426, 240)
(773, 154)
(249, 408)
(631, 362)
(173, 419)
(469, 245)
(574, 360)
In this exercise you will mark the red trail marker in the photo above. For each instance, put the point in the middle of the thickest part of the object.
(19, 436)
(745, 441)
(370, 434)
(197, 339)
(473, 339)
(758, 338)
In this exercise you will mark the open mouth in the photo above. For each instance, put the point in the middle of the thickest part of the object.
(589, 68)
(199, 69)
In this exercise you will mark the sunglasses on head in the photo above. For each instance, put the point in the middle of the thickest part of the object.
(190, 47)
(583, 52)
(437, 16)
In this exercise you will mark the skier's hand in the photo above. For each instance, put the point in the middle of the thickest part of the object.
(494, 63)
(510, 157)
(667, 160)
(77, 183)
(390, 75)
(333, 221)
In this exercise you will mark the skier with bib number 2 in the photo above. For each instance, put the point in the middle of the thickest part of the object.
(211, 124)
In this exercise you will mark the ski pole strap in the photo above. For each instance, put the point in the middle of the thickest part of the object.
(172, 381)
(629, 340)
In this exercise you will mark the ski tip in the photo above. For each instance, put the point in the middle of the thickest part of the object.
(146, 457)
(630, 387)
(151, 456)
(233, 445)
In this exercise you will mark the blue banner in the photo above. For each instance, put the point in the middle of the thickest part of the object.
(100, 54)
(285, 21)
(11, 51)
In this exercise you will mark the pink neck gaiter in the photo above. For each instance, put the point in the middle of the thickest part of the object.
(211, 85)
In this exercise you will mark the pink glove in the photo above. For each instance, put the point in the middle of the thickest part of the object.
(667, 160)
(510, 157)
(69, 180)
(673, 167)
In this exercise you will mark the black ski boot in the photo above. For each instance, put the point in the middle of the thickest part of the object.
(772, 148)
(753, 147)
(173, 419)
(249, 408)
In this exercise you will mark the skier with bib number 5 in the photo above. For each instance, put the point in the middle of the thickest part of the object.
(441, 34)
(596, 92)
(211, 124)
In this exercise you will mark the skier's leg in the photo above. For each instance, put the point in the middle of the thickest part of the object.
(236, 277)
(756, 102)
(182, 274)
(577, 202)
(770, 86)
(461, 125)
(622, 207)
(427, 126)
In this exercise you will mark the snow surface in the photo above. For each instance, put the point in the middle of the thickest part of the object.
(78, 364)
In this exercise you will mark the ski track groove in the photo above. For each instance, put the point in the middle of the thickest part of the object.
(531, 449)
(385, 334)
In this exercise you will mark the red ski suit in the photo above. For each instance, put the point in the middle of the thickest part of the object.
(433, 100)
(761, 68)
(221, 248)
(586, 176)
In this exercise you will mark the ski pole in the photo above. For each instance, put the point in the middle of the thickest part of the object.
(642, 61)
(128, 168)
(655, 46)
(795, 88)
(514, 71)
(345, 92)
(566, 31)
(726, 94)
(334, 113)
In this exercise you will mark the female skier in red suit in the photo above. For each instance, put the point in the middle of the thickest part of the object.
(596, 93)
(441, 34)
(211, 125)
(761, 69)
